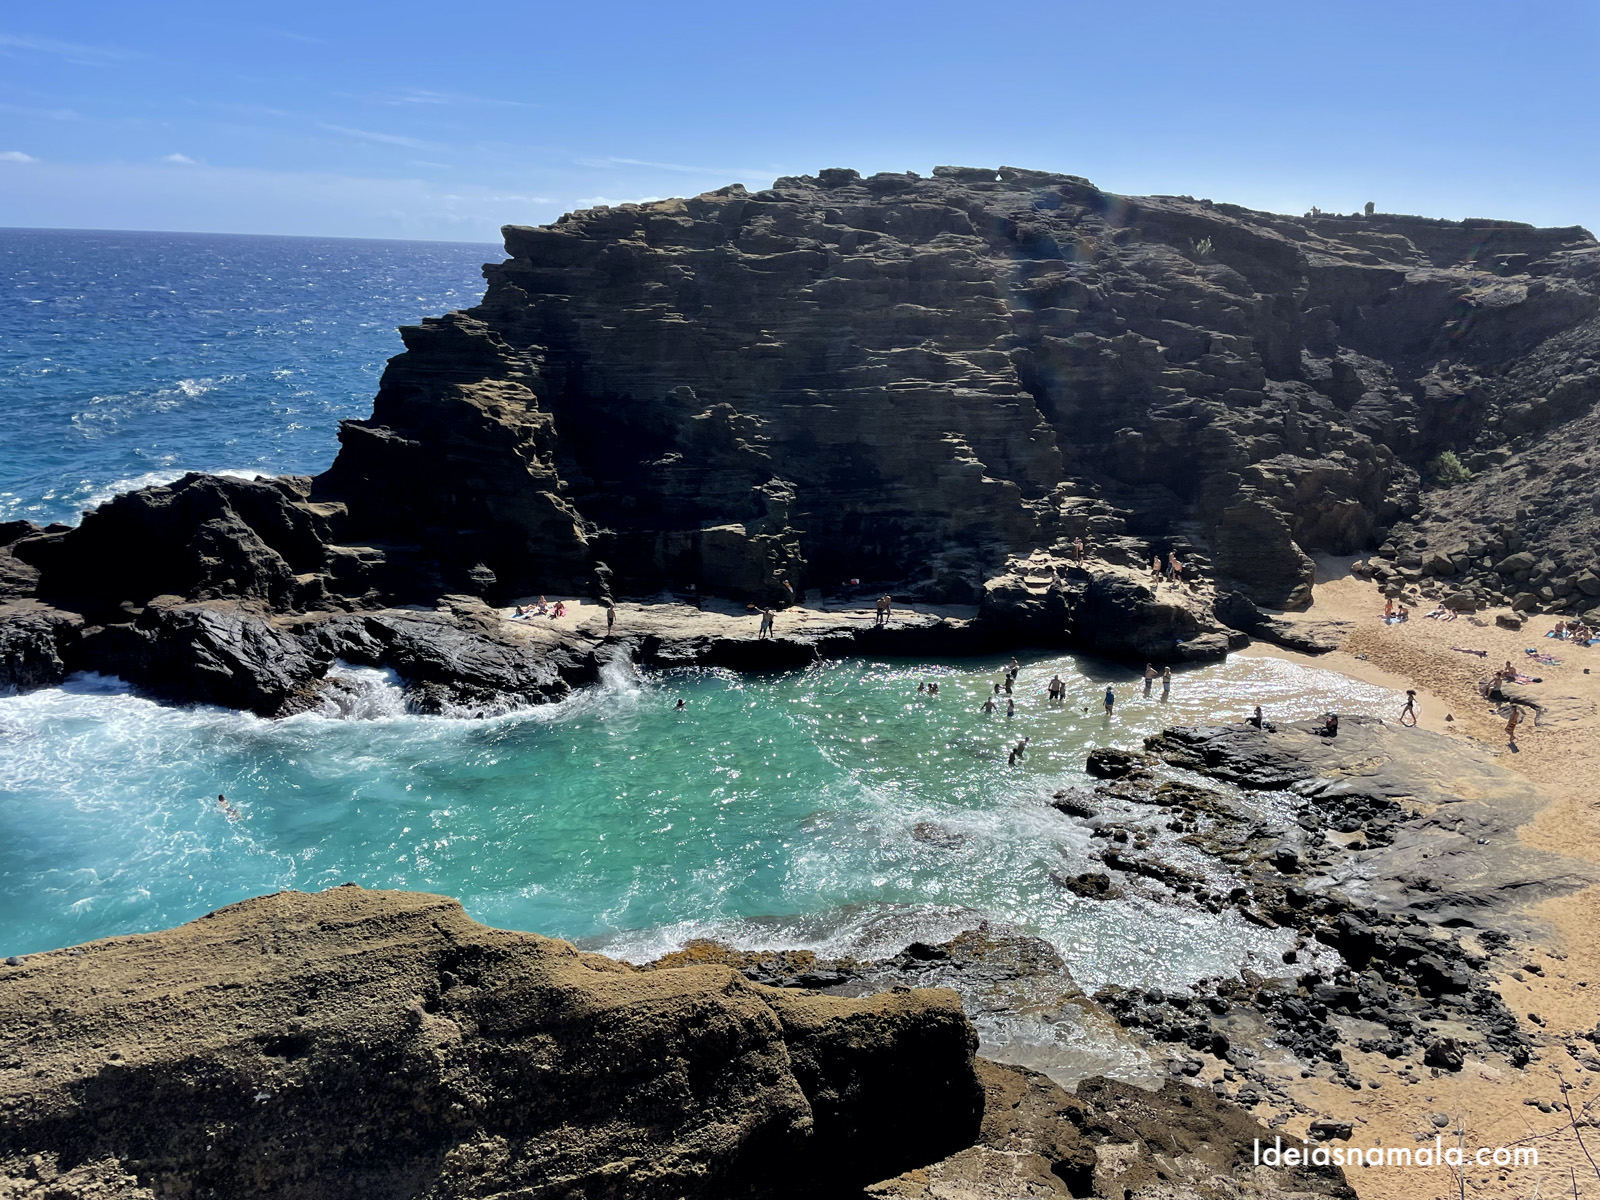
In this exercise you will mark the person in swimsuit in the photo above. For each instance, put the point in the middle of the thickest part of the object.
(1111, 699)
(1408, 714)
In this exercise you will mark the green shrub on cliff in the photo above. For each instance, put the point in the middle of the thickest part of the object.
(1448, 469)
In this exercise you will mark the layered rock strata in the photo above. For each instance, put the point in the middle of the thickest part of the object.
(925, 384)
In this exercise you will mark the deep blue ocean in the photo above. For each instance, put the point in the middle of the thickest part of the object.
(834, 807)
(130, 358)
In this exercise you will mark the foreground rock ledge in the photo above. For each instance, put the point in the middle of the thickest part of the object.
(382, 1044)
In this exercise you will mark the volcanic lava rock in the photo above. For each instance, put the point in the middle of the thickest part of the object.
(938, 386)
(382, 1044)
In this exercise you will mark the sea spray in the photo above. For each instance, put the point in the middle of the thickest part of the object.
(832, 808)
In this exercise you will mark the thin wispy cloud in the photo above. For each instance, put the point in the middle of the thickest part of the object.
(423, 96)
(73, 52)
(303, 38)
(16, 156)
(382, 139)
(182, 160)
(681, 168)
(49, 114)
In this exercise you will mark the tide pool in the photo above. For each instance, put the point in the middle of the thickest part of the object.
(833, 808)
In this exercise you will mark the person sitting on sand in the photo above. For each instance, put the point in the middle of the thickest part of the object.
(1560, 631)
(542, 607)
(1388, 608)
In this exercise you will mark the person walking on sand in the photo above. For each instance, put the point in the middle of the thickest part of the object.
(1408, 714)
(1149, 679)
(1166, 682)
(1512, 722)
(1111, 699)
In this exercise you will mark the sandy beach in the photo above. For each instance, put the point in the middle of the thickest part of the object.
(1551, 983)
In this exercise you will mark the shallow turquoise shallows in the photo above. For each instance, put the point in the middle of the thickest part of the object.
(835, 808)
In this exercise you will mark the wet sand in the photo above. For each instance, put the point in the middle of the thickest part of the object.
(1560, 752)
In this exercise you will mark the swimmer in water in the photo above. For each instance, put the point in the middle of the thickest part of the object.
(233, 813)
(680, 706)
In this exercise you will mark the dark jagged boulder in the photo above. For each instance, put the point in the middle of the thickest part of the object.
(36, 646)
(222, 653)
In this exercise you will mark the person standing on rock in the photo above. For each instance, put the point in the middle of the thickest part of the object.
(768, 618)
(611, 616)
(788, 591)
(1111, 699)
(1149, 679)
(1077, 550)
(1408, 714)
(1155, 565)
(1166, 682)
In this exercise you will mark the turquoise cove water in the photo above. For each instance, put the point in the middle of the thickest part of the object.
(832, 808)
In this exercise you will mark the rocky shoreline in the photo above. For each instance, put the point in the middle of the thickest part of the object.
(779, 1073)
(382, 1043)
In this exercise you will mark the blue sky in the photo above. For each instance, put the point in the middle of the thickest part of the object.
(448, 120)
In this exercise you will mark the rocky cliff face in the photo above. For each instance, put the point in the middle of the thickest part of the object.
(382, 1044)
(924, 384)
(906, 379)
